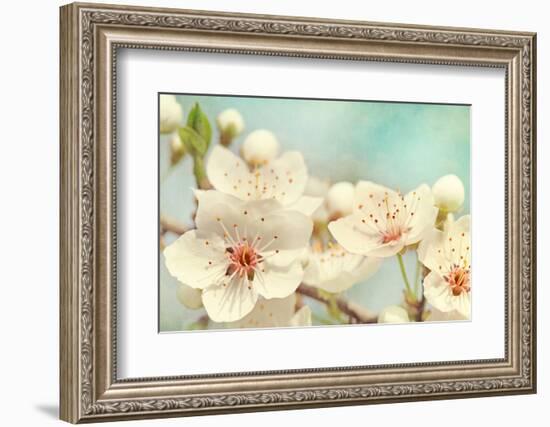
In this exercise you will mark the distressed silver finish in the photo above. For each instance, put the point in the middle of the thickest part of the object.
(90, 37)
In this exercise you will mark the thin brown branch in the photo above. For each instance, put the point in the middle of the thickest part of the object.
(171, 225)
(356, 313)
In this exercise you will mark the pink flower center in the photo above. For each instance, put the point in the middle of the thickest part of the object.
(243, 260)
(393, 234)
(459, 280)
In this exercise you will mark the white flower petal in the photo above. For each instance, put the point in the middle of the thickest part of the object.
(387, 249)
(362, 241)
(278, 282)
(336, 270)
(227, 215)
(440, 251)
(430, 253)
(228, 173)
(269, 313)
(463, 304)
(231, 302)
(347, 235)
(302, 317)
(282, 179)
(221, 214)
(367, 268)
(462, 224)
(393, 314)
(306, 205)
(438, 292)
(421, 213)
(284, 235)
(367, 192)
(196, 259)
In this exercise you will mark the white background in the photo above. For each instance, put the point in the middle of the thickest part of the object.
(142, 347)
(29, 227)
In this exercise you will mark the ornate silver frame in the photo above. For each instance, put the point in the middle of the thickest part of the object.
(90, 36)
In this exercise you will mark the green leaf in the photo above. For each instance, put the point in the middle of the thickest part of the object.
(193, 142)
(198, 121)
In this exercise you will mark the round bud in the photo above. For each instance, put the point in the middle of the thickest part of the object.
(448, 192)
(171, 114)
(189, 297)
(177, 149)
(393, 314)
(230, 123)
(260, 147)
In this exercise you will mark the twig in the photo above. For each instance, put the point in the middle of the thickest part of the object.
(171, 225)
(356, 313)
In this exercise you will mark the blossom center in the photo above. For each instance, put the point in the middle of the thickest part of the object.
(392, 234)
(243, 260)
(459, 280)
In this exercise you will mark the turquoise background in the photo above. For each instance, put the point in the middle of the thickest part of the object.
(399, 145)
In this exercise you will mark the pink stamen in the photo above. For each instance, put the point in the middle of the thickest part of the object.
(243, 260)
(391, 235)
(459, 280)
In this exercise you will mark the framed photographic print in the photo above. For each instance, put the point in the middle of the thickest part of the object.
(265, 212)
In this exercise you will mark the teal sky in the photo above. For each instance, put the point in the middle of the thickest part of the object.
(399, 145)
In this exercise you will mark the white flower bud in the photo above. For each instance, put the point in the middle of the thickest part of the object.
(393, 314)
(189, 297)
(230, 122)
(171, 114)
(448, 193)
(340, 199)
(177, 149)
(260, 147)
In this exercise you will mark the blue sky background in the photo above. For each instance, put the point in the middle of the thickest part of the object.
(399, 145)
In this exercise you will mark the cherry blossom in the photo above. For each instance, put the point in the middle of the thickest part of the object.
(282, 179)
(238, 252)
(384, 221)
(447, 254)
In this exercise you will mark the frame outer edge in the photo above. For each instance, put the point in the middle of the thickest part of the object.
(78, 225)
(534, 270)
(69, 221)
